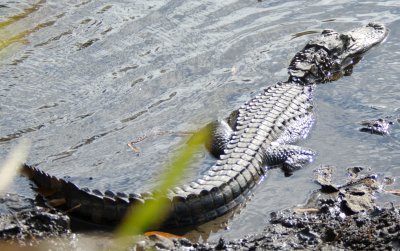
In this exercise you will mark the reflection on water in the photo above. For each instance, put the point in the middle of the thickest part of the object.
(82, 79)
(11, 33)
(21, 14)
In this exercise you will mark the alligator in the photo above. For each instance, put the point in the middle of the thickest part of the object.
(255, 137)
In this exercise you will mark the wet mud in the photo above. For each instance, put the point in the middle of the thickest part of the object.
(26, 224)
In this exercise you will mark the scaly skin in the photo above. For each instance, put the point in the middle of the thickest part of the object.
(253, 138)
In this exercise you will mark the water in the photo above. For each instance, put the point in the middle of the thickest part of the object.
(85, 78)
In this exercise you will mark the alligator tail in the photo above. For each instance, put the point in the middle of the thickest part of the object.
(95, 207)
(108, 209)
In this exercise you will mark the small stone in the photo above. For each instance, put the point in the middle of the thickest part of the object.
(221, 244)
(378, 126)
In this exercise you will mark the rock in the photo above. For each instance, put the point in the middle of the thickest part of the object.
(377, 126)
(356, 200)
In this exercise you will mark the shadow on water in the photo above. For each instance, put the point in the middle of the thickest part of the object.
(82, 79)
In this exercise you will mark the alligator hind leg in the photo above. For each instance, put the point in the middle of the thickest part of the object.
(290, 157)
(218, 134)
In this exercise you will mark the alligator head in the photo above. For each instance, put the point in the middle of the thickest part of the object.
(333, 54)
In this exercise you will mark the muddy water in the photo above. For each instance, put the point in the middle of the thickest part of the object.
(82, 79)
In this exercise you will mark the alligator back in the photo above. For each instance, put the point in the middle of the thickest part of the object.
(225, 185)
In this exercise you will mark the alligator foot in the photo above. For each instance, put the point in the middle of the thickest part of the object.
(290, 157)
(218, 134)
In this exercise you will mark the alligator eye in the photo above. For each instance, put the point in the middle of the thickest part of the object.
(327, 32)
(375, 26)
(346, 39)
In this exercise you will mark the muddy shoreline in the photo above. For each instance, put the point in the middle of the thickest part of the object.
(336, 216)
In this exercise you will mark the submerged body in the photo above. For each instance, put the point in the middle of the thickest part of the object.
(254, 137)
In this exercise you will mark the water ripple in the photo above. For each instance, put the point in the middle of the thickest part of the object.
(82, 78)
